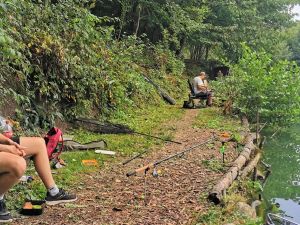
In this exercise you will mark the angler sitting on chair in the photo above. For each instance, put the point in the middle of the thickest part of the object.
(200, 90)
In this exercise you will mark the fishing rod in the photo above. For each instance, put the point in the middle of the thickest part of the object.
(125, 129)
(134, 157)
(154, 164)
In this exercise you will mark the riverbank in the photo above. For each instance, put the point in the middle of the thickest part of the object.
(177, 196)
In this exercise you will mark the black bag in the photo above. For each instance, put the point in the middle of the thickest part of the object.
(187, 105)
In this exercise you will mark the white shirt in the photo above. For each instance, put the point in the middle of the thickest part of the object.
(197, 81)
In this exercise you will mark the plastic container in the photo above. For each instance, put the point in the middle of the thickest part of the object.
(33, 207)
(90, 162)
(6, 127)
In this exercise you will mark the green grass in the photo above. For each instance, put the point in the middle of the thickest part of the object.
(212, 118)
(239, 191)
(214, 165)
(151, 120)
(218, 215)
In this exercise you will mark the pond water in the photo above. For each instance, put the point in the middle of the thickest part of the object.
(283, 185)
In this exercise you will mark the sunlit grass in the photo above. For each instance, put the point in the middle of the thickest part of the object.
(212, 118)
(148, 121)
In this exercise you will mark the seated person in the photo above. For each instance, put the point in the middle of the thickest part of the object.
(201, 88)
(13, 164)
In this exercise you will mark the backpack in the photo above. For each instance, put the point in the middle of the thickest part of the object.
(53, 137)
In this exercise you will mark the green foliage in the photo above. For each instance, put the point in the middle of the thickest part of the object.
(205, 28)
(227, 24)
(292, 36)
(259, 85)
(247, 188)
(62, 61)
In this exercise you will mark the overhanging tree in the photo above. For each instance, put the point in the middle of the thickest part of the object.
(259, 85)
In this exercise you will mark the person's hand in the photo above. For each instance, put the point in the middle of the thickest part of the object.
(17, 145)
(16, 149)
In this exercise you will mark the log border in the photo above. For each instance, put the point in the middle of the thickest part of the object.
(219, 189)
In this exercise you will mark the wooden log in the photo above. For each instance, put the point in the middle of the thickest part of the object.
(218, 190)
(253, 163)
(244, 133)
(260, 175)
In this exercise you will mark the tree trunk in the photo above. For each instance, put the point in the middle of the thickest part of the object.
(197, 52)
(206, 52)
(138, 20)
(182, 43)
(251, 165)
(257, 124)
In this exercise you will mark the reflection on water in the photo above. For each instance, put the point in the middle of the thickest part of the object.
(290, 208)
(283, 185)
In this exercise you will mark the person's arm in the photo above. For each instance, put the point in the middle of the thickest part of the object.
(6, 141)
(8, 145)
(201, 85)
(206, 84)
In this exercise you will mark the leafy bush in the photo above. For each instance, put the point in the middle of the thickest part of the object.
(59, 59)
(258, 85)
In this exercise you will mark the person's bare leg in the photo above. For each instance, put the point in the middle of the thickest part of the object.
(12, 167)
(209, 99)
(36, 147)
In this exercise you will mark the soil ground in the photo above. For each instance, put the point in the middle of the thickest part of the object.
(176, 196)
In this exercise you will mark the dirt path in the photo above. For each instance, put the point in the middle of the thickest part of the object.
(172, 198)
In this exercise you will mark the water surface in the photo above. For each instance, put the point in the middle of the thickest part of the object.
(283, 185)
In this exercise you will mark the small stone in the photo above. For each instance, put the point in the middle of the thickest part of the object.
(246, 210)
